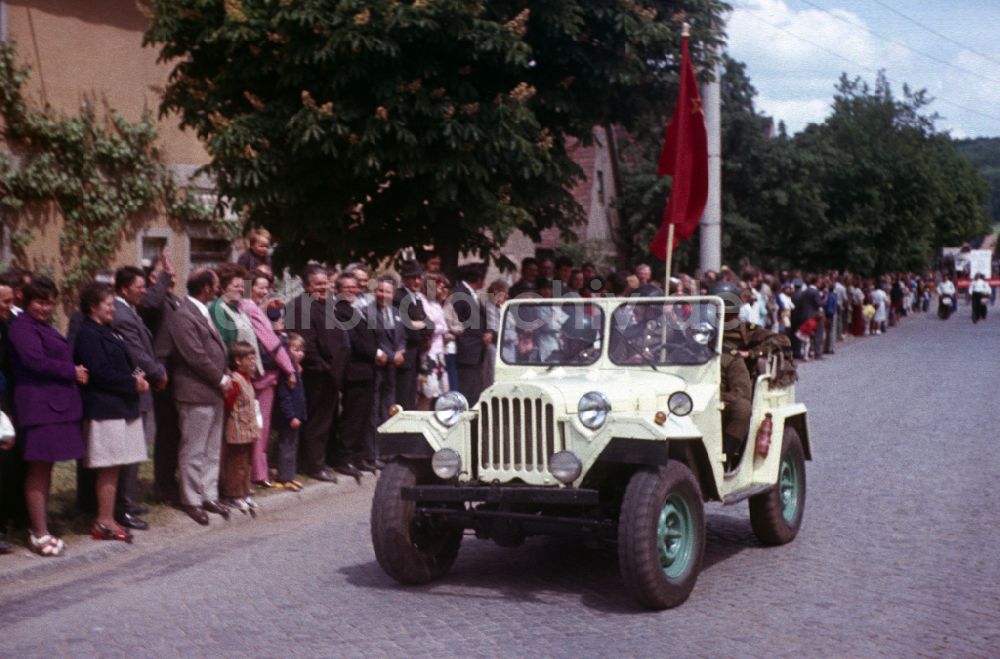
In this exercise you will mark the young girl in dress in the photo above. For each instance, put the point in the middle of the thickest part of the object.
(242, 430)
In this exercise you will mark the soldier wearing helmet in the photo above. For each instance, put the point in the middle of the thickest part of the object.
(743, 344)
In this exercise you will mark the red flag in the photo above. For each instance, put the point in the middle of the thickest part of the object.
(685, 158)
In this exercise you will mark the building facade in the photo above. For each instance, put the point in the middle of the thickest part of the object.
(90, 51)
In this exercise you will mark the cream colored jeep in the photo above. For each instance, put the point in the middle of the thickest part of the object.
(604, 422)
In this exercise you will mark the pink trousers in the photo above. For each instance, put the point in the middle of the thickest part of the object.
(264, 389)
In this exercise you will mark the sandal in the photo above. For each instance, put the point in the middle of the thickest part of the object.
(101, 532)
(297, 485)
(291, 486)
(47, 545)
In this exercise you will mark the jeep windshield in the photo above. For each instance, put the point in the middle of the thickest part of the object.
(658, 333)
(558, 333)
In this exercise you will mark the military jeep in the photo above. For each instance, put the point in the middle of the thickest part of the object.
(604, 422)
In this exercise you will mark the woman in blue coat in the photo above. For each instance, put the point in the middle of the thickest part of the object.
(112, 425)
(46, 402)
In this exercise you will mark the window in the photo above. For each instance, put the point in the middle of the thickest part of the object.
(660, 333)
(552, 334)
(209, 252)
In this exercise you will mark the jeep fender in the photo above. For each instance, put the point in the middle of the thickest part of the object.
(794, 416)
(411, 434)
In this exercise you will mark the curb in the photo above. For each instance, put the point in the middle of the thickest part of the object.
(23, 564)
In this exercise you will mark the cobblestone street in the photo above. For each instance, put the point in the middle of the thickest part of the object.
(896, 556)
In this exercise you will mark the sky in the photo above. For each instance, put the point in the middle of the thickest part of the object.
(795, 51)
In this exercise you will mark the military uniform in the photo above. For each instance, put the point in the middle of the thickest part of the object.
(753, 339)
(737, 392)
(737, 382)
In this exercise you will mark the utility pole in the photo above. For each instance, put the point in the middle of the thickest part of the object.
(711, 220)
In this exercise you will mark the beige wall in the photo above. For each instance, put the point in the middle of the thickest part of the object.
(91, 51)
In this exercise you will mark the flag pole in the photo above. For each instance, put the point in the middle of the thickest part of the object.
(670, 257)
(685, 33)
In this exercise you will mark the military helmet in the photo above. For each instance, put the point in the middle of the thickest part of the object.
(730, 293)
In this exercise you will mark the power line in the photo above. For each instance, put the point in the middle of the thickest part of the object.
(862, 66)
(904, 45)
(936, 33)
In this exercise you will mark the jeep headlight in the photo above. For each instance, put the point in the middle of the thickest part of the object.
(593, 409)
(446, 463)
(702, 333)
(565, 466)
(449, 407)
(680, 404)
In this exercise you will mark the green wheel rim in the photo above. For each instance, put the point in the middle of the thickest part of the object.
(788, 489)
(675, 536)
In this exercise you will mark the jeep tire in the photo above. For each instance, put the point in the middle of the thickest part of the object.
(776, 515)
(411, 549)
(661, 535)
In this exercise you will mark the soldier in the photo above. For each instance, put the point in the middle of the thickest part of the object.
(743, 346)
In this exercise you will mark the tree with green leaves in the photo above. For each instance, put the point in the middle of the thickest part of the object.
(354, 128)
(873, 188)
(895, 189)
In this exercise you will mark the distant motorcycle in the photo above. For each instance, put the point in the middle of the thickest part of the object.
(944, 307)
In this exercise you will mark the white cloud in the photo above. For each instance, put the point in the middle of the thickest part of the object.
(796, 113)
(793, 60)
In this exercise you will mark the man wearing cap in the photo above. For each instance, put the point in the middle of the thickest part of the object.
(418, 330)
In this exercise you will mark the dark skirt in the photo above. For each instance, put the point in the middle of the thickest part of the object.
(52, 442)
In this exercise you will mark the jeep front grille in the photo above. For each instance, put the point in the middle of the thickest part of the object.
(517, 434)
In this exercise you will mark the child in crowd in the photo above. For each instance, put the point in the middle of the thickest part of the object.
(289, 416)
(242, 430)
(804, 334)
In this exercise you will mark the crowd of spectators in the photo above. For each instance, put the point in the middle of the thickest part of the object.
(235, 389)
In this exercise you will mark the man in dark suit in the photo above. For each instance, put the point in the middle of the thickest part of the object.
(470, 345)
(311, 316)
(391, 337)
(130, 286)
(155, 308)
(807, 305)
(529, 273)
(418, 331)
(199, 360)
(349, 451)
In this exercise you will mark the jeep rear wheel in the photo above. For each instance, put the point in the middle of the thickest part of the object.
(661, 535)
(412, 549)
(776, 515)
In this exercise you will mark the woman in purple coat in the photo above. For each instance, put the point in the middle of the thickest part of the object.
(47, 404)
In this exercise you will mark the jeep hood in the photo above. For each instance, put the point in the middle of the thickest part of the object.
(628, 391)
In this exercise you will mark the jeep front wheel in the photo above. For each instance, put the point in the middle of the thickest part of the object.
(661, 535)
(776, 515)
(412, 549)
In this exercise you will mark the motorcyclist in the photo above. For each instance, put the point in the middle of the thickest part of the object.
(946, 294)
(980, 291)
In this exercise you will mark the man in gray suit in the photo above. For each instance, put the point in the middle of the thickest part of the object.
(130, 285)
(198, 357)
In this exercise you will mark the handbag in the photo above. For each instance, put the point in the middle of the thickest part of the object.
(6, 428)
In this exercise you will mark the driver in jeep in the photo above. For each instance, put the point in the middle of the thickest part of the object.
(744, 345)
